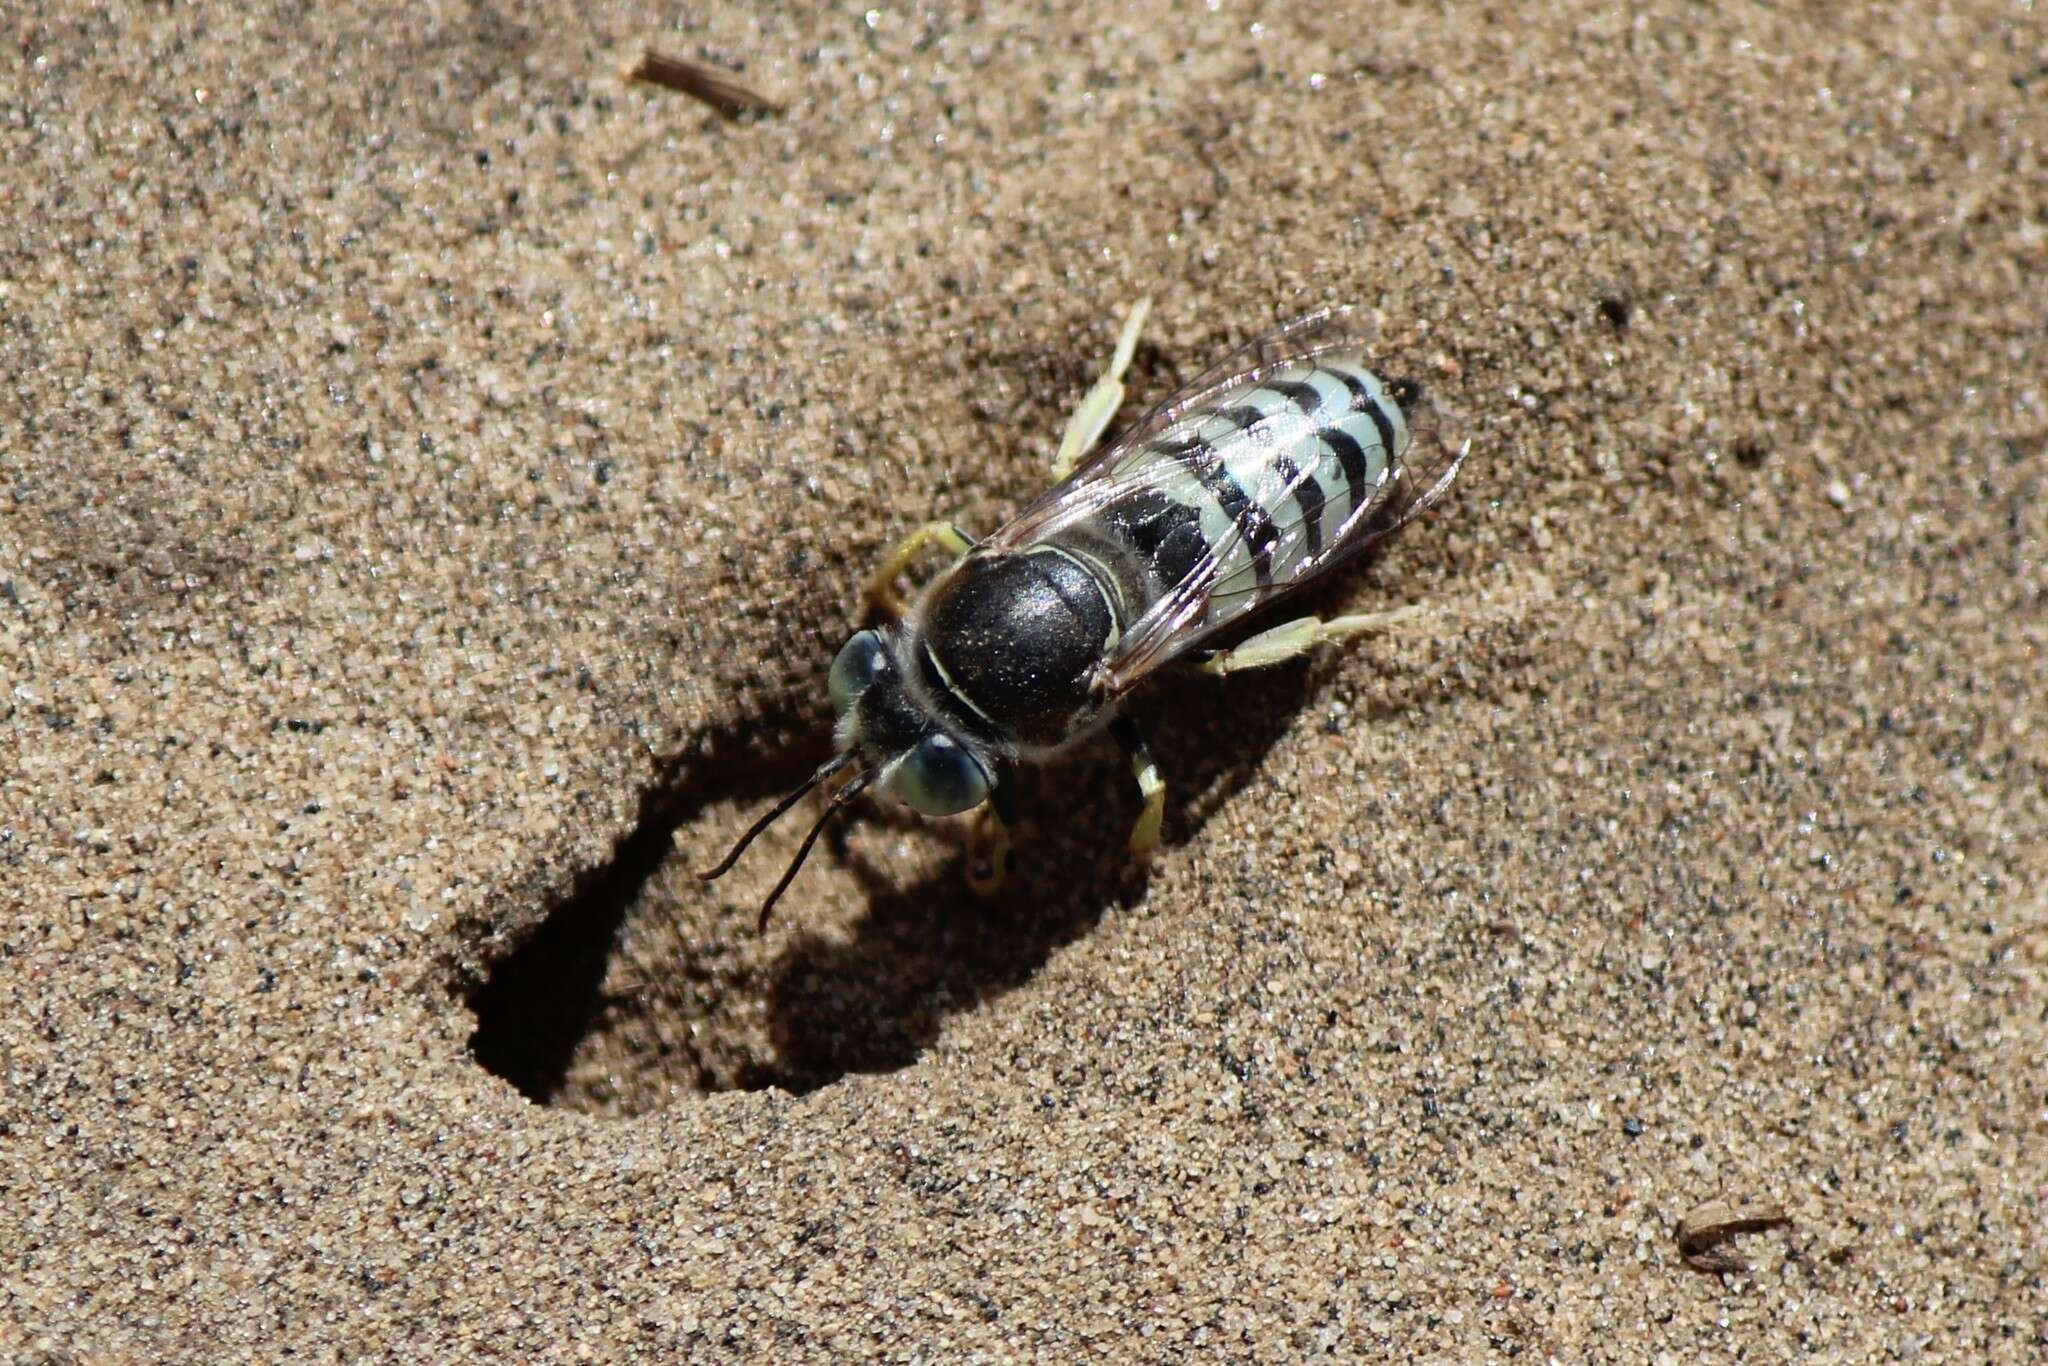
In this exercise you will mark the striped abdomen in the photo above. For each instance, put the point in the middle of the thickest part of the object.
(1224, 507)
(1266, 478)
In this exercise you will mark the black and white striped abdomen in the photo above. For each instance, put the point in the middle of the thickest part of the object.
(1265, 478)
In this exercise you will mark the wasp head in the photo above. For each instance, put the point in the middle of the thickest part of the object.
(903, 750)
(916, 760)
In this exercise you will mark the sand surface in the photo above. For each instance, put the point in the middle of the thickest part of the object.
(434, 475)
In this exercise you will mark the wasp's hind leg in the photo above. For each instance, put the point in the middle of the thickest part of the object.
(882, 596)
(1099, 407)
(1297, 637)
(1145, 834)
(988, 848)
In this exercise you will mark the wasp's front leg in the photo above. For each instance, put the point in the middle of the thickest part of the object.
(1099, 406)
(883, 599)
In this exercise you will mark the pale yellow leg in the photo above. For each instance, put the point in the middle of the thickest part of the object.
(1297, 637)
(1099, 406)
(1151, 787)
(1145, 834)
(881, 585)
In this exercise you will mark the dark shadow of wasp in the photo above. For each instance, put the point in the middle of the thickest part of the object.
(873, 999)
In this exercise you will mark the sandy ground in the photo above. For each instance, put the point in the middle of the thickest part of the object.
(434, 476)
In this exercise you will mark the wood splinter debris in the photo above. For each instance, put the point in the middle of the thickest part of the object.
(701, 82)
(1704, 1233)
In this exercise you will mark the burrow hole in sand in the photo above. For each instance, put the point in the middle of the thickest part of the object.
(644, 985)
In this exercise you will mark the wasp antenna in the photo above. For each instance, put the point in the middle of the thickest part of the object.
(840, 798)
(825, 770)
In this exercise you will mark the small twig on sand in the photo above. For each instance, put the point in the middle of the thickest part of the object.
(702, 82)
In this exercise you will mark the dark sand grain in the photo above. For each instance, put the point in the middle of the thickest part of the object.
(434, 474)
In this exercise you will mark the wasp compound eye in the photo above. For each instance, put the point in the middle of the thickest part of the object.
(940, 778)
(859, 662)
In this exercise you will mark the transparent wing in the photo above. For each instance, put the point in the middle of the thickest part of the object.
(1099, 482)
(1200, 605)
(1341, 327)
